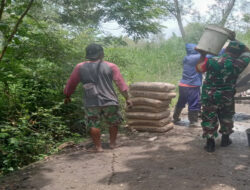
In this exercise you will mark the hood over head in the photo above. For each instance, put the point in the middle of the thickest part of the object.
(190, 49)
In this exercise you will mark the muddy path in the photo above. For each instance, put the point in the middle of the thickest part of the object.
(146, 161)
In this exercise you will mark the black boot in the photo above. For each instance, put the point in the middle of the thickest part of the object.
(210, 146)
(225, 140)
(176, 115)
(193, 118)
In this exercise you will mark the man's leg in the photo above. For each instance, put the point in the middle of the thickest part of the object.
(113, 119)
(209, 125)
(182, 100)
(96, 137)
(113, 130)
(225, 115)
(93, 121)
(193, 105)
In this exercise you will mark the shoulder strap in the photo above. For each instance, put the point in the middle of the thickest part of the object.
(97, 71)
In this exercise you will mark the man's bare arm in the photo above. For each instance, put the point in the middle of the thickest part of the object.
(125, 94)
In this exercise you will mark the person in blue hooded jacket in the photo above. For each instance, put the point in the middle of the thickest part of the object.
(189, 87)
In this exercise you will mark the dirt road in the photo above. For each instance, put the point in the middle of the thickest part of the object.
(172, 161)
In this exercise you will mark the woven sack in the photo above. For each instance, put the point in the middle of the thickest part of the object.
(148, 116)
(155, 123)
(150, 109)
(149, 102)
(153, 95)
(152, 86)
(163, 129)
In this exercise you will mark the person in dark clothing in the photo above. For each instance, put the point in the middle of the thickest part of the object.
(100, 100)
(189, 87)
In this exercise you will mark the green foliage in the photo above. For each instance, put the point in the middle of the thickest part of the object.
(246, 18)
(194, 32)
(244, 37)
(137, 17)
(33, 119)
(184, 6)
(150, 62)
(43, 53)
(26, 139)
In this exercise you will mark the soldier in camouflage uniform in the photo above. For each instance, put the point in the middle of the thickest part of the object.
(218, 91)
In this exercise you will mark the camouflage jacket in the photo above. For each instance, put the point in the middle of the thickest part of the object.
(221, 76)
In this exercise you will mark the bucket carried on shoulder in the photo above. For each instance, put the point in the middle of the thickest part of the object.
(213, 39)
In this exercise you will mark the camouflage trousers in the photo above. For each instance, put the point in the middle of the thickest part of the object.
(215, 114)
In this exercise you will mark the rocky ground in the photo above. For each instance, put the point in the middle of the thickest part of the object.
(146, 161)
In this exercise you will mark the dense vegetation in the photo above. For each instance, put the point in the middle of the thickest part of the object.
(33, 116)
(39, 60)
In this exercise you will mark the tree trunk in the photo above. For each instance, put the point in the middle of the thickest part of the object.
(183, 35)
(2, 8)
(15, 29)
(179, 20)
(227, 12)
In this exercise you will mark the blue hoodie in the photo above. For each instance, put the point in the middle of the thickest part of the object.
(189, 74)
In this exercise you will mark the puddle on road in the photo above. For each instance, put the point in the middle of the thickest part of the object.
(241, 124)
(183, 123)
(238, 118)
(242, 117)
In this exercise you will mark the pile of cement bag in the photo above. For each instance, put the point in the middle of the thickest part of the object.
(150, 111)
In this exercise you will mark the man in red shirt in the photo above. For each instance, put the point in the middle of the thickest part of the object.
(100, 100)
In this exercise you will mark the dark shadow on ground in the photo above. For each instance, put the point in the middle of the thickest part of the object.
(179, 162)
(21, 179)
(171, 161)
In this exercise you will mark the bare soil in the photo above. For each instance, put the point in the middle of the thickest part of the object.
(146, 161)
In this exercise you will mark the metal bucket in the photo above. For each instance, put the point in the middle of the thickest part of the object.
(213, 39)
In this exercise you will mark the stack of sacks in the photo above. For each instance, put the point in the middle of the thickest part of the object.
(150, 111)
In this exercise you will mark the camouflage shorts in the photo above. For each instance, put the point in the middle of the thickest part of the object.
(101, 117)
